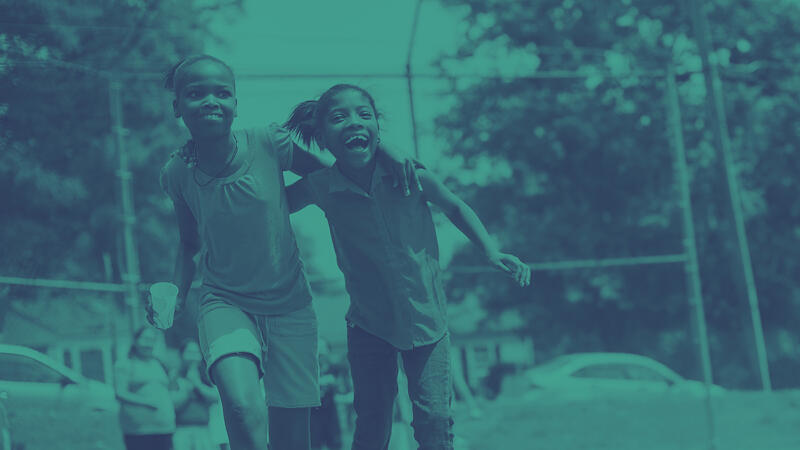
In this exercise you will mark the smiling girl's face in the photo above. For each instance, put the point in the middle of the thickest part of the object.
(351, 128)
(206, 98)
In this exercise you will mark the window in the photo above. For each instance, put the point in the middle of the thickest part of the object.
(92, 364)
(641, 373)
(68, 358)
(608, 371)
(25, 369)
(554, 364)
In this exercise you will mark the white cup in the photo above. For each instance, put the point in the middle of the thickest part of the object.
(163, 296)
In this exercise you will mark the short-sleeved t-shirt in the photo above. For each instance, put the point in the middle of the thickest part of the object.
(387, 249)
(148, 380)
(249, 255)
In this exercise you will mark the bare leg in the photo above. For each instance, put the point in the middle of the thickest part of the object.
(460, 385)
(243, 404)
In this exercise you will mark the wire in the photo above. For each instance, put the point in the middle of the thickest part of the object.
(738, 70)
(582, 263)
(64, 284)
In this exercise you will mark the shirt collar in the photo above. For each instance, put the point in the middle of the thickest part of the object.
(339, 182)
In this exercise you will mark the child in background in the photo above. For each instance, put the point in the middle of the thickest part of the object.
(197, 397)
(216, 426)
(228, 194)
(387, 249)
(147, 413)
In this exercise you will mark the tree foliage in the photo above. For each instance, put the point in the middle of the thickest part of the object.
(59, 164)
(59, 167)
(586, 170)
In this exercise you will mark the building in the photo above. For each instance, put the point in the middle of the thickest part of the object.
(79, 330)
(481, 350)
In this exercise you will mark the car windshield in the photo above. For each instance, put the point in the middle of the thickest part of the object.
(23, 369)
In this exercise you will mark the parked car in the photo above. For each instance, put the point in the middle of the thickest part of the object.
(611, 373)
(5, 429)
(50, 406)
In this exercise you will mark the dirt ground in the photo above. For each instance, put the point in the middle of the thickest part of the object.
(742, 421)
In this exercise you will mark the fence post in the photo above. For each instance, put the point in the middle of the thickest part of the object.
(692, 269)
(408, 77)
(130, 275)
(720, 125)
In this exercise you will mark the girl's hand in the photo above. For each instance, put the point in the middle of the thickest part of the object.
(512, 265)
(148, 307)
(403, 168)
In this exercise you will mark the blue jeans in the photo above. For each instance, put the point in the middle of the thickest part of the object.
(373, 363)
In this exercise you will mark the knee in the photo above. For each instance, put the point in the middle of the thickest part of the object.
(433, 419)
(433, 429)
(244, 410)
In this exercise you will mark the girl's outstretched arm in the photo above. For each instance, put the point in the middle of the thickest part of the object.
(465, 219)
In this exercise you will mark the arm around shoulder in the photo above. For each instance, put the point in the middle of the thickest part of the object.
(294, 156)
(299, 195)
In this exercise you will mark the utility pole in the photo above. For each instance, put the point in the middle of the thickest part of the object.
(408, 77)
(130, 274)
(690, 247)
(720, 124)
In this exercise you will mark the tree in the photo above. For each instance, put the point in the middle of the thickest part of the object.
(584, 168)
(58, 166)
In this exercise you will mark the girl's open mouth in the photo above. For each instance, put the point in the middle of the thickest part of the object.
(356, 142)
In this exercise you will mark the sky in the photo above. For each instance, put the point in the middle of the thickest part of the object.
(319, 37)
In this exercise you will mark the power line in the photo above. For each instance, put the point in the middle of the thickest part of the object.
(740, 70)
(64, 284)
(555, 265)
(583, 263)
(78, 27)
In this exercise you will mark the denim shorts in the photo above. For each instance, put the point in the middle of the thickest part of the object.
(283, 346)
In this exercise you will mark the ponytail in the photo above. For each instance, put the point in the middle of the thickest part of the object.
(302, 122)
